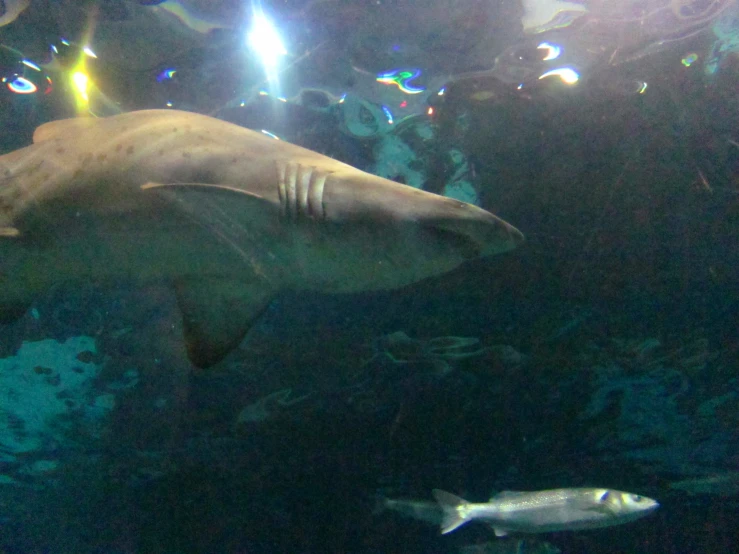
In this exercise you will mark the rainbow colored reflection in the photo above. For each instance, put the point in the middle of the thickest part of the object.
(401, 78)
(690, 59)
(166, 74)
(21, 85)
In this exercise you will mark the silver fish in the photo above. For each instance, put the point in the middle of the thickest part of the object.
(546, 511)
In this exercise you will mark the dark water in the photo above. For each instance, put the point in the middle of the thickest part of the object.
(603, 352)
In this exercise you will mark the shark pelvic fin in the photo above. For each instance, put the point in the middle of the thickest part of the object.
(216, 314)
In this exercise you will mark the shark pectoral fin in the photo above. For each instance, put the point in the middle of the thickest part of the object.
(216, 314)
(184, 187)
(499, 532)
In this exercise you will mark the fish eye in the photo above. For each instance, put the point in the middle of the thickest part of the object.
(637, 498)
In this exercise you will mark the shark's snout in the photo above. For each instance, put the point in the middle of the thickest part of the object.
(489, 233)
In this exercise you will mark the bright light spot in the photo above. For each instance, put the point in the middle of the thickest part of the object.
(553, 51)
(81, 82)
(519, 87)
(430, 111)
(271, 135)
(388, 114)
(54, 49)
(169, 104)
(263, 93)
(29, 63)
(64, 41)
(242, 104)
(567, 74)
(343, 97)
(441, 92)
(166, 74)
(265, 40)
(21, 85)
(87, 50)
(282, 99)
(690, 59)
(404, 104)
(643, 87)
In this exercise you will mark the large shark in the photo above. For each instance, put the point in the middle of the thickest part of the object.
(229, 216)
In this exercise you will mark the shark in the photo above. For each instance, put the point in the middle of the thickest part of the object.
(227, 216)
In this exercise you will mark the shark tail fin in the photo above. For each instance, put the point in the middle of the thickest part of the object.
(453, 507)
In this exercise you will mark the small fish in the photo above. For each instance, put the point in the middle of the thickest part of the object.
(545, 511)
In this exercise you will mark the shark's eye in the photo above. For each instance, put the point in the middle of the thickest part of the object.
(637, 498)
(604, 496)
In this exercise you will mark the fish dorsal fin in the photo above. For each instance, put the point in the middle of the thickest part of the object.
(504, 495)
(64, 128)
(217, 314)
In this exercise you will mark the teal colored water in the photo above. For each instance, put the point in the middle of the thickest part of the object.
(262, 351)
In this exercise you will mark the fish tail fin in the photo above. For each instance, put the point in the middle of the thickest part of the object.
(380, 504)
(454, 511)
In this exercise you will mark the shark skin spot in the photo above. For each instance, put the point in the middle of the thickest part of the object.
(118, 147)
(129, 150)
(186, 155)
(174, 129)
(60, 150)
(45, 177)
(102, 157)
(234, 160)
(161, 152)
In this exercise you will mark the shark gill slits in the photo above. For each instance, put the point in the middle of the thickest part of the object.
(303, 183)
(291, 171)
(300, 190)
(315, 196)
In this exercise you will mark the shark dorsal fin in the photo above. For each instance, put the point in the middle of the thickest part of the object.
(216, 314)
(65, 128)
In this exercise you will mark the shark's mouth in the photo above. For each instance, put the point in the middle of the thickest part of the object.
(465, 245)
